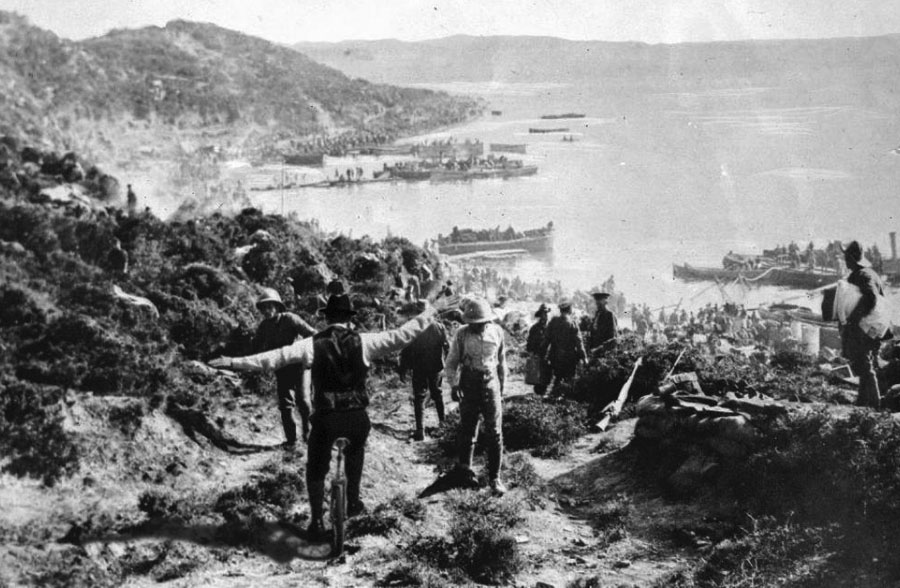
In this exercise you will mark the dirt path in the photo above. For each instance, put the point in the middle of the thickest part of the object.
(568, 531)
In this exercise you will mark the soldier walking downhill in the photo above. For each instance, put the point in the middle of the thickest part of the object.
(563, 347)
(476, 371)
(277, 329)
(425, 357)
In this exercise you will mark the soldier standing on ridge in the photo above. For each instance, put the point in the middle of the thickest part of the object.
(533, 346)
(563, 347)
(340, 358)
(476, 370)
(277, 329)
(858, 346)
(425, 357)
(604, 327)
(132, 201)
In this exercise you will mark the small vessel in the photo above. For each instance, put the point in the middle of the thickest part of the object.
(508, 148)
(564, 115)
(467, 241)
(305, 159)
(803, 279)
(455, 175)
(496, 112)
(558, 130)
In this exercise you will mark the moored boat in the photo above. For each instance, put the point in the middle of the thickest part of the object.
(564, 115)
(508, 148)
(305, 159)
(468, 241)
(446, 175)
(534, 131)
(803, 279)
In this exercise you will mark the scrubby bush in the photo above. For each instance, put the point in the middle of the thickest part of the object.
(766, 554)
(610, 518)
(32, 434)
(19, 307)
(276, 492)
(480, 544)
(77, 350)
(547, 429)
(604, 377)
(386, 517)
(166, 505)
(201, 330)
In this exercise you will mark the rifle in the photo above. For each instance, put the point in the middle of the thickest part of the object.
(615, 407)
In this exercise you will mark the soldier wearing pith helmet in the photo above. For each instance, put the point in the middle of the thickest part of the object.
(476, 370)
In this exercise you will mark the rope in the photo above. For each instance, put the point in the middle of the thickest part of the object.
(760, 276)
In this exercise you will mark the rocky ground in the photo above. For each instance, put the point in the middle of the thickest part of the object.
(93, 521)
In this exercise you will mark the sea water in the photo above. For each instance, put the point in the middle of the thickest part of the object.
(652, 179)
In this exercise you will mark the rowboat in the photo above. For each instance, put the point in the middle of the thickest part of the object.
(531, 241)
(802, 279)
(508, 148)
(447, 175)
(304, 159)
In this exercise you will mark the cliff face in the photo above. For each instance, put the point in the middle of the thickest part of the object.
(165, 84)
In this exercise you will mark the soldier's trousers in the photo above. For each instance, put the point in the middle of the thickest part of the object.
(481, 400)
(293, 392)
(326, 429)
(424, 385)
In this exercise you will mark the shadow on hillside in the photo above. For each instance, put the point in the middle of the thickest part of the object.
(197, 424)
(399, 433)
(281, 541)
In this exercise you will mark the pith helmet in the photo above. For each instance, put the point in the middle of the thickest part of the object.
(270, 295)
(478, 311)
(599, 295)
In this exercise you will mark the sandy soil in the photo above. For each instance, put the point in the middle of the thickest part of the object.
(560, 538)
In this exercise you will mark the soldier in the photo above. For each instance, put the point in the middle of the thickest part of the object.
(340, 358)
(425, 357)
(277, 329)
(604, 327)
(476, 370)
(857, 345)
(533, 346)
(563, 347)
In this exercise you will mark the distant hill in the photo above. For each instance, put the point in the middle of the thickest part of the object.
(850, 61)
(144, 88)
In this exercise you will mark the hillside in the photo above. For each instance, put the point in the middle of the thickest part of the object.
(147, 89)
(853, 62)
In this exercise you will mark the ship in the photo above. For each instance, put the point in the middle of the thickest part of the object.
(508, 148)
(511, 171)
(564, 115)
(468, 241)
(801, 279)
(305, 159)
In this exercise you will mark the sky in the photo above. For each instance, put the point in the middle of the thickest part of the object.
(650, 21)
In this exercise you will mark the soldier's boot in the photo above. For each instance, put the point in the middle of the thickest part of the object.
(316, 529)
(419, 411)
